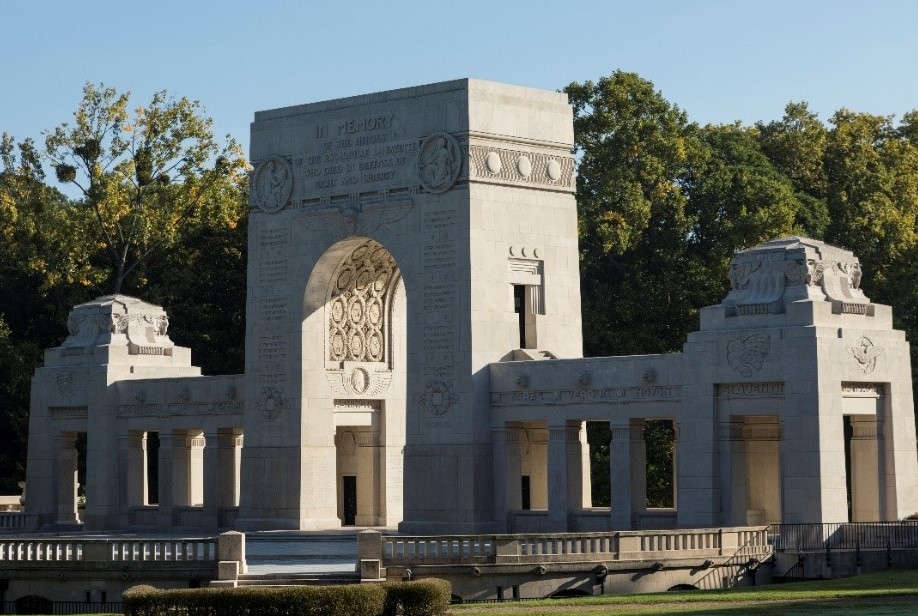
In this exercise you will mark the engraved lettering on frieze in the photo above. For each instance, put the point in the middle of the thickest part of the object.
(272, 184)
(611, 395)
(439, 397)
(747, 355)
(439, 162)
(866, 353)
(181, 409)
(68, 412)
(865, 390)
(359, 296)
(518, 166)
(750, 390)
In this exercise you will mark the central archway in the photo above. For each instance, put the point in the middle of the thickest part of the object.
(354, 359)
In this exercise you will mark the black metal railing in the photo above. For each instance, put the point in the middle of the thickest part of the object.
(39, 605)
(844, 536)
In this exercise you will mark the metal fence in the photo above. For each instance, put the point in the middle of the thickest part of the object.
(844, 536)
(40, 605)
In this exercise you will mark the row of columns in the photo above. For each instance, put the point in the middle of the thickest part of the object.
(195, 469)
(568, 472)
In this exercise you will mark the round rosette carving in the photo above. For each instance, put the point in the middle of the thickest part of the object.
(375, 346)
(272, 184)
(439, 162)
(338, 345)
(356, 312)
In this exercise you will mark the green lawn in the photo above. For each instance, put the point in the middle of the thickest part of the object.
(892, 593)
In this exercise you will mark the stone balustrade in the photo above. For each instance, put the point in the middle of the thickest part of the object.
(377, 551)
(56, 550)
(17, 521)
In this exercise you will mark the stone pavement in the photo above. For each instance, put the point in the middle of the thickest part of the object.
(303, 552)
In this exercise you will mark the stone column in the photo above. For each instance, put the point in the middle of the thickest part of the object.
(732, 474)
(620, 477)
(212, 475)
(195, 469)
(575, 444)
(132, 458)
(66, 506)
(507, 475)
(166, 472)
(558, 479)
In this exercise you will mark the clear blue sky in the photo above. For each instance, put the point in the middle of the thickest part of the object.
(719, 60)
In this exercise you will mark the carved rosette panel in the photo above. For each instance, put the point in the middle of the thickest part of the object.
(520, 166)
(360, 293)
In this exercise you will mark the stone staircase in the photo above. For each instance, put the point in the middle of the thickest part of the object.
(298, 579)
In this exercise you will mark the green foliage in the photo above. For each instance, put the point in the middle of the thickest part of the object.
(428, 597)
(421, 598)
(144, 176)
(659, 442)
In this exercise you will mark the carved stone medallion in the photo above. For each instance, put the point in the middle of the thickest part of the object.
(272, 184)
(439, 162)
(865, 353)
(439, 397)
(747, 355)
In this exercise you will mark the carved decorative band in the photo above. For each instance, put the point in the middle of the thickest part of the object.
(864, 430)
(750, 390)
(517, 166)
(747, 309)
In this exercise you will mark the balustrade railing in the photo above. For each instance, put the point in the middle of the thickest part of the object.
(572, 547)
(17, 521)
(845, 536)
(59, 550)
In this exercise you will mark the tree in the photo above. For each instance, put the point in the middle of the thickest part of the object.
(796, 145)
(633, 149)
(144, 176)
(736, 199)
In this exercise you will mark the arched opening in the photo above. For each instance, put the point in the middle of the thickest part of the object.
(355, 336)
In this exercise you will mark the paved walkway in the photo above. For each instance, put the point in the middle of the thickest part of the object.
(305, 552)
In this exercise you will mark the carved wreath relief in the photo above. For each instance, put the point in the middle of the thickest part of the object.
(747, 355)
(272, 184)
(439, 397)
(356, 314)
(439, 162)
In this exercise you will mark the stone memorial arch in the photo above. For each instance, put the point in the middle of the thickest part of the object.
(413, 357)
(399, 243)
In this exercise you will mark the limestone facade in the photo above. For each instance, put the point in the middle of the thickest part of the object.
(413, 356)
